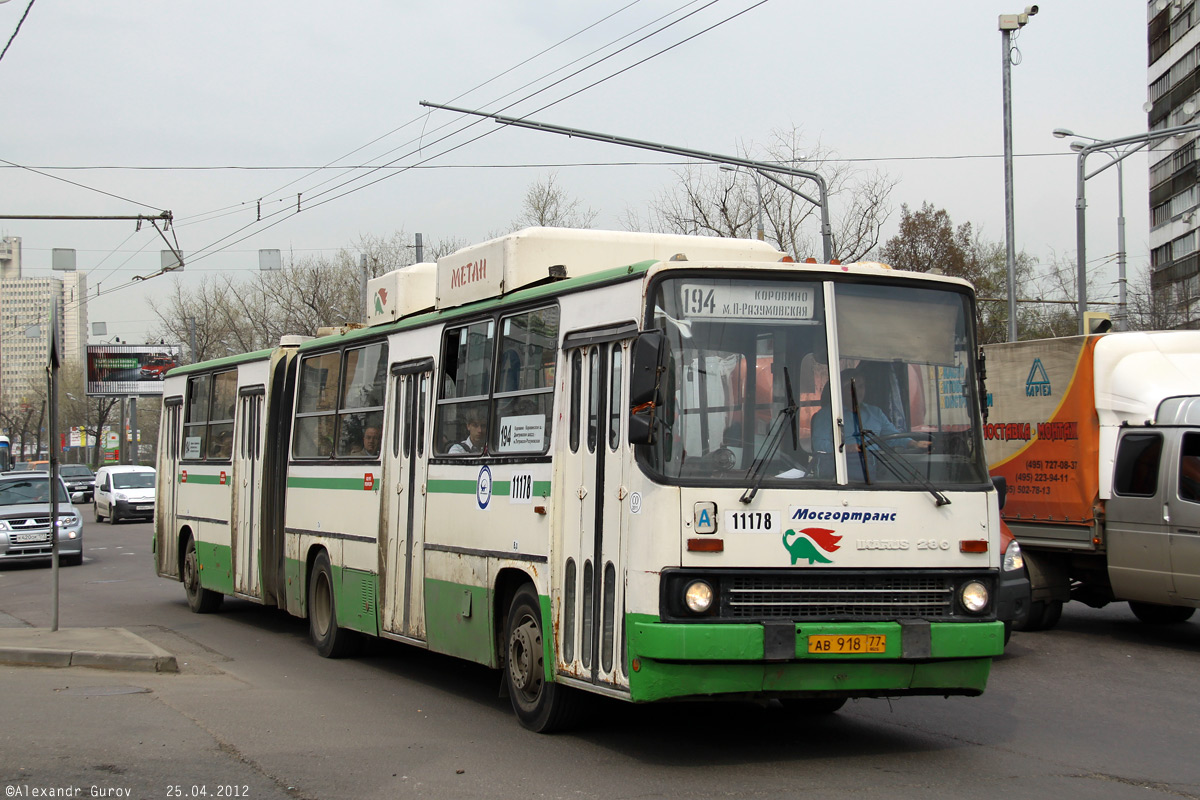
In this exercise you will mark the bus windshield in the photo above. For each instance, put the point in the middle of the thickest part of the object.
(749, 381)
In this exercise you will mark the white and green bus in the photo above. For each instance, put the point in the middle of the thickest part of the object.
(645, 466)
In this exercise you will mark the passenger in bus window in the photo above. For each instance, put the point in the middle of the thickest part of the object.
(369, 445)
(221, 445)
(476, 431)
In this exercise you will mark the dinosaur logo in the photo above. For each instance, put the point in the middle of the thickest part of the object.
(380, 300)
(808, 543)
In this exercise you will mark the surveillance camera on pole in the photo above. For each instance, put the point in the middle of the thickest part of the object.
(1008, 24)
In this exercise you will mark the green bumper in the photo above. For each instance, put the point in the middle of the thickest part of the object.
(698, 660)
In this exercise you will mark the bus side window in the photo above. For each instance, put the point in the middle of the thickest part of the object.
(316, 406)
(523, 397)
(466, 366)
(195, 424)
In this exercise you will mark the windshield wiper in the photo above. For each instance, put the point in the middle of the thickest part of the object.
(862, 449)
(899, 467)
(771, 444)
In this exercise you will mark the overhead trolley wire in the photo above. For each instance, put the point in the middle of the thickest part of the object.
(212, 247)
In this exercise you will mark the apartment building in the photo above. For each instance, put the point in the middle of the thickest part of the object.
(1174, 98)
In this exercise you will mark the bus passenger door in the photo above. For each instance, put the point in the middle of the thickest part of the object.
(247, 498)
(166, 527)
(592, 568)
(407, 449)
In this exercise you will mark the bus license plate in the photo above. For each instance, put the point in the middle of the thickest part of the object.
(853, 644)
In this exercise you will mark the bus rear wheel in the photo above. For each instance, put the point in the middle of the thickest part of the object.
(330, 640)
(200, 600)
(540, 705)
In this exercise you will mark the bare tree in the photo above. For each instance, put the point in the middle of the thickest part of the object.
(547, 204)
(928, 241)
(728, 202)
(77, 410)
(1166, 308)
(24, 419)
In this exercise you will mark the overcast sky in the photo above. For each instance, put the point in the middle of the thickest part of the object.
(204, 108)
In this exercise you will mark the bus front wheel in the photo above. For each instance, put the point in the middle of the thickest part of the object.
(541, 706)
(200, 600)
(330, 640)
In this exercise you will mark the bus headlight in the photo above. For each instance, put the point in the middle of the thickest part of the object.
(1013, 558)
(974, 596)
(698, 596)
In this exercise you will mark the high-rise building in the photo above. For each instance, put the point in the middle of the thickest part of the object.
(10, 257)
(25, 303)
(1174, 97)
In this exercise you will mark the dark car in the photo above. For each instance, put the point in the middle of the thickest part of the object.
(80, 480)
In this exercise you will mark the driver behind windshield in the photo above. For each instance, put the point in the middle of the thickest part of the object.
(873, 419)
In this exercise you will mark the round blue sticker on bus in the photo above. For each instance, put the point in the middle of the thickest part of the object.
(483, 487)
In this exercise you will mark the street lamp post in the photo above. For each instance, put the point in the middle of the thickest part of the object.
(821, 201)
(1009, 23)
(1062, 133)
(1125, 147)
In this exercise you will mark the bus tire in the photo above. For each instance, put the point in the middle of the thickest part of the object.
(812, 706)
(1153, 614)
(200, 600)
(540, 705)
(330, 640)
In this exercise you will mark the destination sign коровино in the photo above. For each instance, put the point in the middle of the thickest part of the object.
(772, 302)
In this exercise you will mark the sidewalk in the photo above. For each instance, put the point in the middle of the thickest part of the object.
(107, 648)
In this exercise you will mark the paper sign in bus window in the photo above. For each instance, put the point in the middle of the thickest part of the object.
(522, 434)
(192, 446)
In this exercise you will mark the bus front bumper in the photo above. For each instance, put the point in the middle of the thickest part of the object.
(669, 660)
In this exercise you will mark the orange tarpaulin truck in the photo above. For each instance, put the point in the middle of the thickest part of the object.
(1098, 441)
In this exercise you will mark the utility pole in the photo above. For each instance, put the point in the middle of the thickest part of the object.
(362, 284)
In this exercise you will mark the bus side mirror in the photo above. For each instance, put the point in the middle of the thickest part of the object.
(647, 365)
(1001, 484)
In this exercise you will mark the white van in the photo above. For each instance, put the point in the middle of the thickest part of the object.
(124, 492)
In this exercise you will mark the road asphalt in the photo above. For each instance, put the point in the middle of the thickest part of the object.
(104, 648)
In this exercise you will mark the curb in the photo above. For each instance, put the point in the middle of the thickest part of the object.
(101, 648)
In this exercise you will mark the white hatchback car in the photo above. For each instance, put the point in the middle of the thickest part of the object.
(124, 492)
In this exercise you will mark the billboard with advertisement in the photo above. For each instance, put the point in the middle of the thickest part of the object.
(130, 369)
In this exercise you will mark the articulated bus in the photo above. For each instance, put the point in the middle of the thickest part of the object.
(644, 466)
